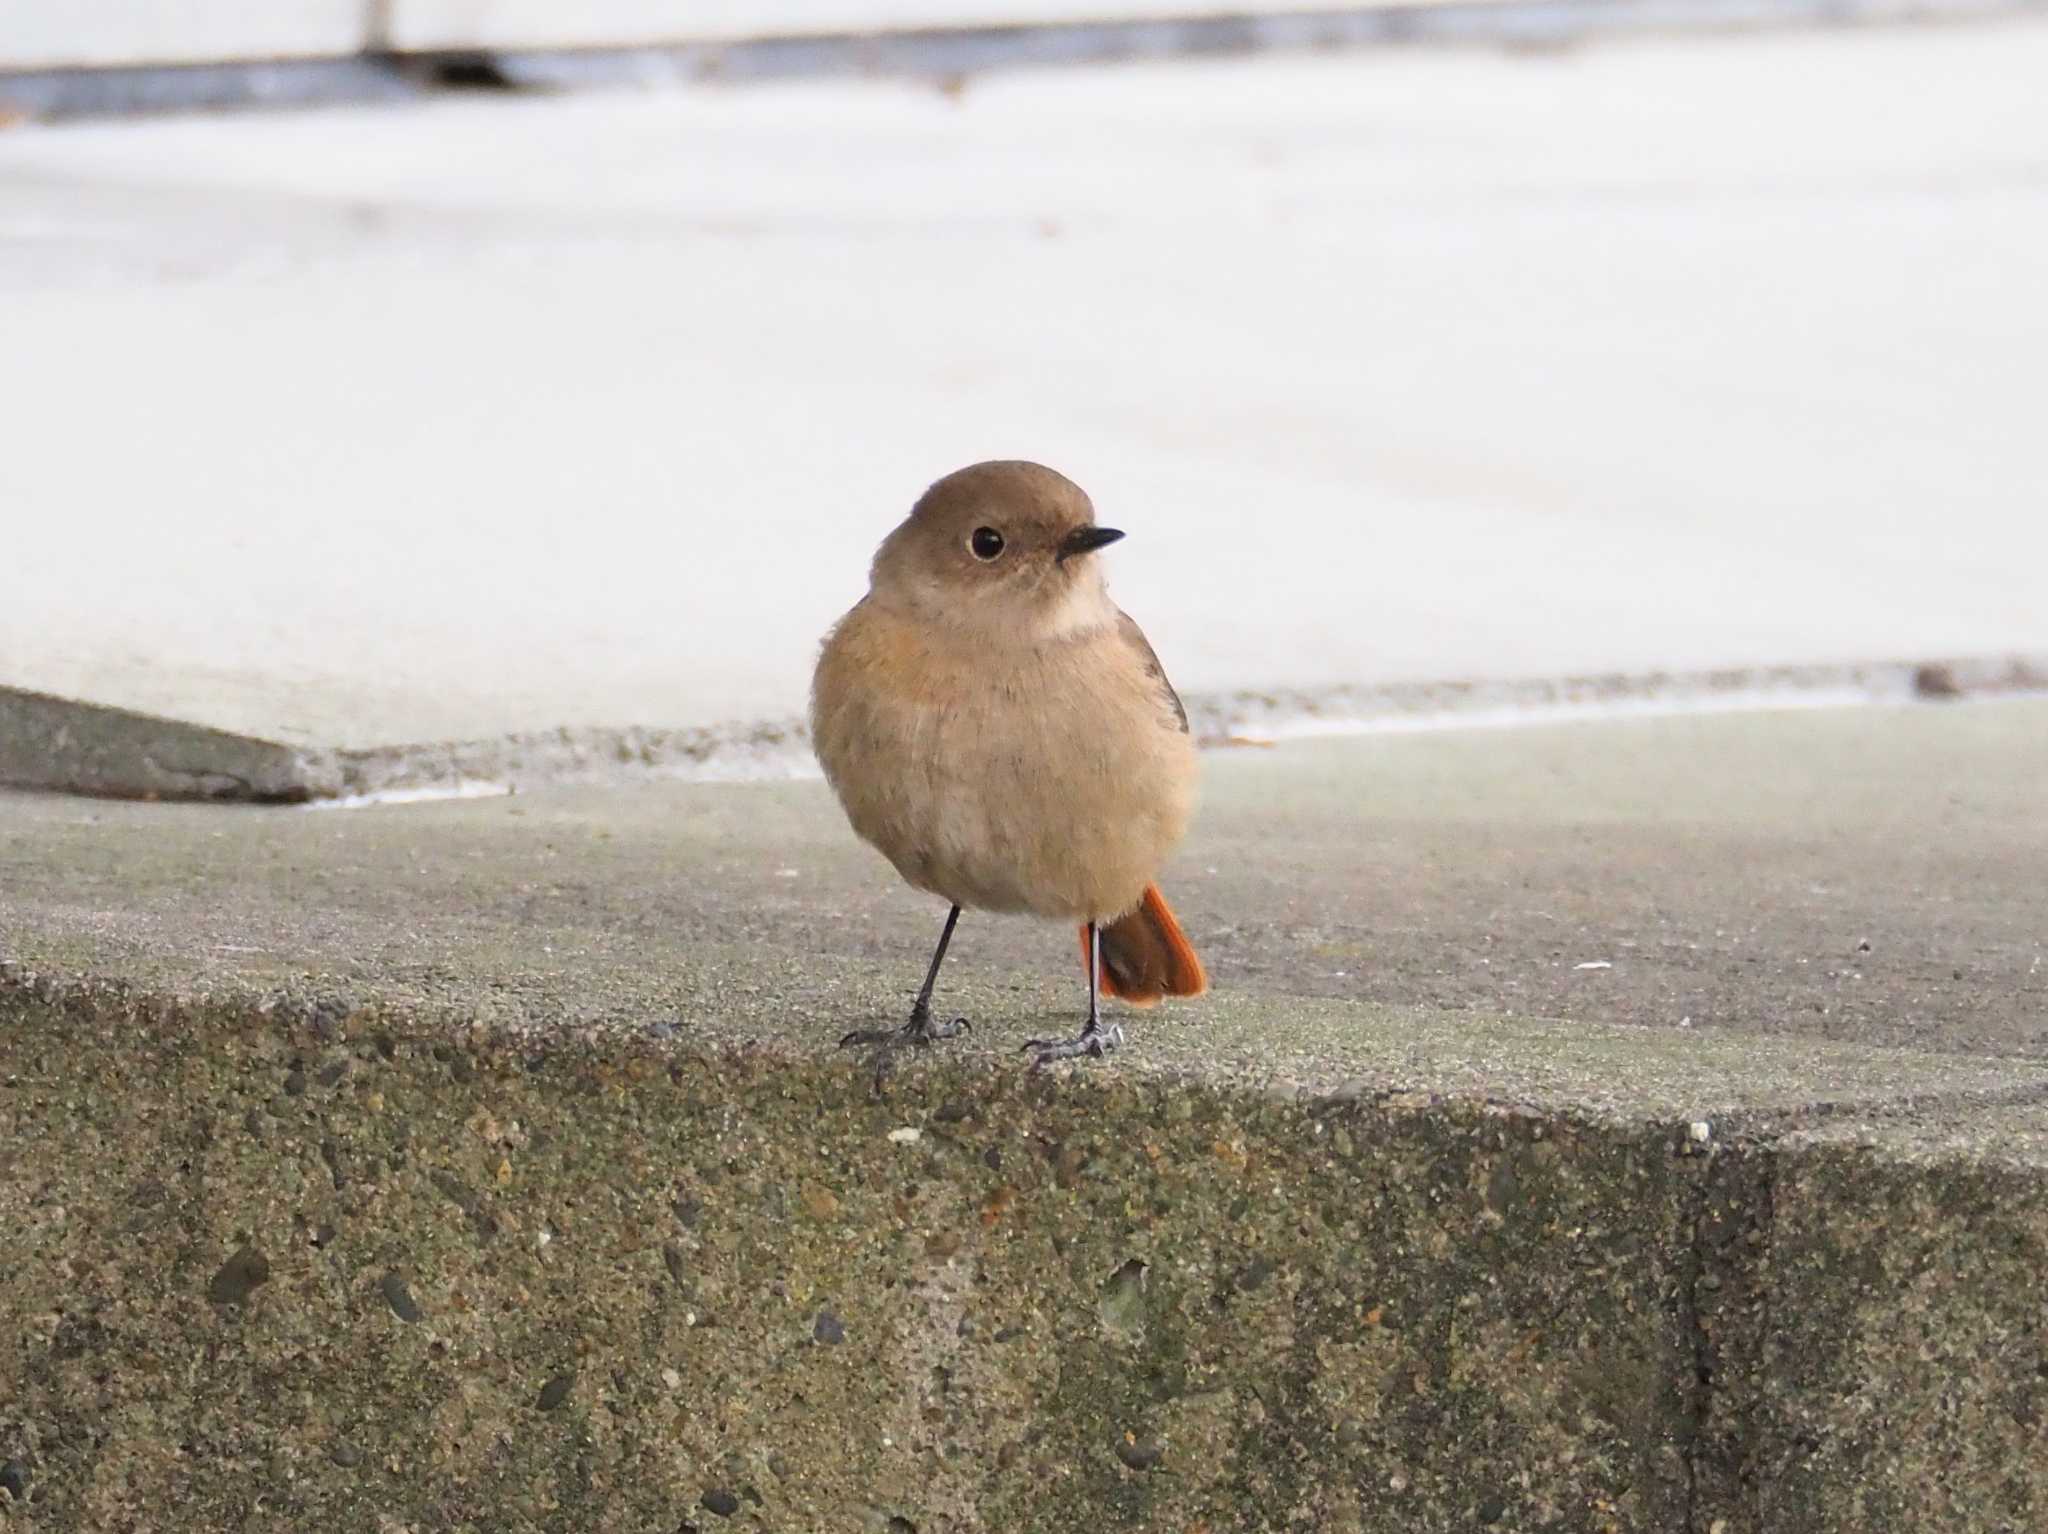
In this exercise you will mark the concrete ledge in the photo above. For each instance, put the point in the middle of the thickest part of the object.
(320, 1263)
(69, 746)
(84, 748)
(1902, 1375)
(490, 1164)
(327, 1273)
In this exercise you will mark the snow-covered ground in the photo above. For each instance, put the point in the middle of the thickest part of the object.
(491, 415)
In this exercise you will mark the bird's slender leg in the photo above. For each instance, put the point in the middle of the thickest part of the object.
(1093, 1041)
(920, 1029)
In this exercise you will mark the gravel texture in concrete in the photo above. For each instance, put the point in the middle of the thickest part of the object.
(490, 1165)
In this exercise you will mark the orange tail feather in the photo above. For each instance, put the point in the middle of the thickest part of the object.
(1145, 955)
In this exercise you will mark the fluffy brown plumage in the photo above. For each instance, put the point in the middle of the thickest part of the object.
(1002, 732)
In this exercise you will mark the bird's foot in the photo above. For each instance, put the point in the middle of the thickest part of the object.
(919, 1030)
(1091, 1043)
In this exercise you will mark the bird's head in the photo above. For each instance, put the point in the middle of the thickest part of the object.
(1005, 544)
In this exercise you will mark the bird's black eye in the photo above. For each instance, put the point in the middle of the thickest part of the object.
(986, 543)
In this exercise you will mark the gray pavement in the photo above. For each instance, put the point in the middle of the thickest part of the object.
(496, 1159)
(1867, 877)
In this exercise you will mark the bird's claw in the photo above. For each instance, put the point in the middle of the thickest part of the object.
(1091, 1043)
(919, 1030)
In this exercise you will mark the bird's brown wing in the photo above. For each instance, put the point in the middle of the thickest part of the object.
(1134, 636)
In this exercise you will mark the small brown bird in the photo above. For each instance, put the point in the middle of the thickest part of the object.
(1002, 732)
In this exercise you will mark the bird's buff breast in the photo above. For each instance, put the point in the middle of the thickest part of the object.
(1047, 779)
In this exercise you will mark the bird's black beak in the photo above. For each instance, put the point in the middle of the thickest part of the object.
(1086, 540)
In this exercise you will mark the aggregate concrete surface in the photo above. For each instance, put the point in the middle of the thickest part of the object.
(489, 1164)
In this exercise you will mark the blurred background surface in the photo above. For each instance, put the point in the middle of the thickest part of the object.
(495, 412)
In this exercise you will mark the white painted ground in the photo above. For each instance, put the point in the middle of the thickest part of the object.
(369, 426)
